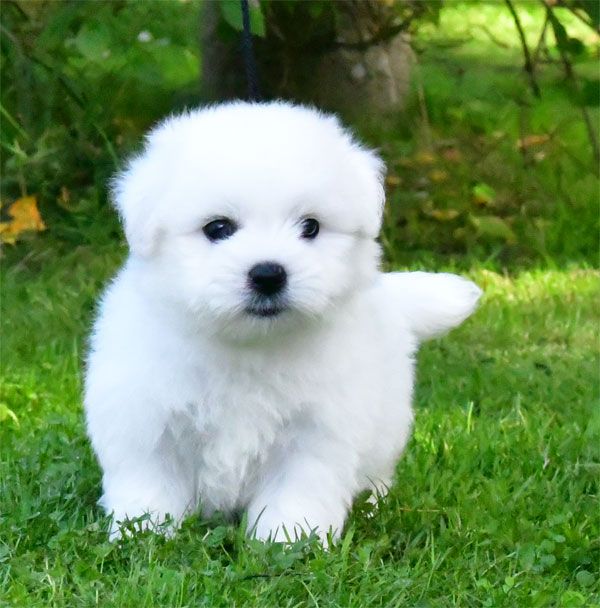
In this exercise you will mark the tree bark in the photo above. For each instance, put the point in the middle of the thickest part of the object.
(354, 56)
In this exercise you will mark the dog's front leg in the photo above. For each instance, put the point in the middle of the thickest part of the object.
(304, 492)
(146, 484)
(132, 493)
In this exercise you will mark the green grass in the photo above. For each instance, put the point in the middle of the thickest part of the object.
(495, 502)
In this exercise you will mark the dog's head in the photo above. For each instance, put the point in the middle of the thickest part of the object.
(251, 214)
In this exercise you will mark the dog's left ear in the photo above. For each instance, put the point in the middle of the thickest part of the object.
(365, 178)
(369, 170)
(134, 198)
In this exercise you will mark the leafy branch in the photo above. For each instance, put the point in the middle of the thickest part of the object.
(529, 65)
(587, 13)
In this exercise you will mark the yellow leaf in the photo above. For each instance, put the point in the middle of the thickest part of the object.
(438, 175)
(444, 215)
(441, 215)
(425, 158)
(25, 218)
(393, 180)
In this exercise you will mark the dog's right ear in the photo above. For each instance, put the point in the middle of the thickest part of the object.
(133, 196)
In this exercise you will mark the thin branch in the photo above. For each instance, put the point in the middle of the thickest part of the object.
(523, 120)
(493, 38)
(423, 110)
(541, 41)
(18, 8)
(529, 67)
(572, 79)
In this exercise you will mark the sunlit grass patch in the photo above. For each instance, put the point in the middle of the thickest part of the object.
(490, 25)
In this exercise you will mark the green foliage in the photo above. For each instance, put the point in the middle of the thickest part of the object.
(477, 163)
(272, 15)
(568, 44)
(589, 8)
(231, 11)
(510, 175)
(495, 502)
(81, 82)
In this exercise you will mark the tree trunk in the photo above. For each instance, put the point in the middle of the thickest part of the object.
(349, 55)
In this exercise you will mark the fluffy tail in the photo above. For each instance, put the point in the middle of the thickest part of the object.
(432, 303)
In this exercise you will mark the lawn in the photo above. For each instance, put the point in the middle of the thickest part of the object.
(495, 502)
(496, 497)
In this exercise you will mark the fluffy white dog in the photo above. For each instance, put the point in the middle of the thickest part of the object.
(250, 355)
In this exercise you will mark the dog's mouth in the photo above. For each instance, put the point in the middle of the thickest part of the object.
(265, 312)
(266, 308)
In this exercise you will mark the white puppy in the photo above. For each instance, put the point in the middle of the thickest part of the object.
(250, 355)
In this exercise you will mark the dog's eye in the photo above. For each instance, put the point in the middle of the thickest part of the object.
(218, 230)
(310, 228)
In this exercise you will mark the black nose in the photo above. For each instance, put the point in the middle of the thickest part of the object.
(267, 278)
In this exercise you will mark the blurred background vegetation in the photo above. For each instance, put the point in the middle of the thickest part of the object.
(490, 134)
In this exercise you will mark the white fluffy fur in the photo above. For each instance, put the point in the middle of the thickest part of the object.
(194, 404)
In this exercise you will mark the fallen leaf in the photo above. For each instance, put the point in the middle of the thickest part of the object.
(452, 155)
(424, 158)
(530, 141)
(444, 215)
(441, 215)
(438, 175)
(393, 180)
(491, 226)
(25, 218)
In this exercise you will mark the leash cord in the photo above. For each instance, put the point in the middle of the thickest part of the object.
(248, 54)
